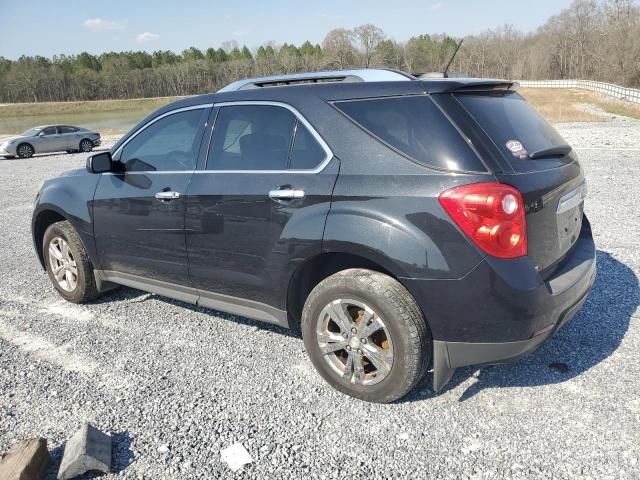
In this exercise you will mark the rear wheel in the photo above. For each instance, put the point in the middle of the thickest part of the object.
(67, 263)
(86, 145)
(366, 335)
(25, 150)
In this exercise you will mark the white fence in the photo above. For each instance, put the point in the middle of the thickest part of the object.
(622, 93)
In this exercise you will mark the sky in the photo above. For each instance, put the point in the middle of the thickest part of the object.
(36, 27)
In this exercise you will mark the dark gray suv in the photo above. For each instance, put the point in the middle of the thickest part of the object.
(405, 225)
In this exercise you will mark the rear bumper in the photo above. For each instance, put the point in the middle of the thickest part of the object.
(447, 356)
(503, 309)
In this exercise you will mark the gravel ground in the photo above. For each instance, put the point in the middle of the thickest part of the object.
(175, 384)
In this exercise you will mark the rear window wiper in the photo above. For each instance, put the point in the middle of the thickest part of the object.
(557, 151)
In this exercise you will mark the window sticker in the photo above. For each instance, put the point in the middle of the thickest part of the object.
(516, 149)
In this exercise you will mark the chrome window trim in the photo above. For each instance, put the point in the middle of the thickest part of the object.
(159, 117)
(327, 150)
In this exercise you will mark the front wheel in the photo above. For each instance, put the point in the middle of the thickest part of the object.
(67, 263)
(366, 335)
(25, 150)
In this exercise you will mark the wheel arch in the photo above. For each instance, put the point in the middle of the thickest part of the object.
(315, 269)
(43, 220)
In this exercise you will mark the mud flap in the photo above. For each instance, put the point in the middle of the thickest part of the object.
(442, 371)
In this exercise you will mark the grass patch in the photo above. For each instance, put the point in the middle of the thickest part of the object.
(567, 105)
(560, 105)
(555, 104)
(619, 107)
(92, 106)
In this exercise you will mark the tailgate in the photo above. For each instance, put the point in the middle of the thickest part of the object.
(537, 161)
(554, 206)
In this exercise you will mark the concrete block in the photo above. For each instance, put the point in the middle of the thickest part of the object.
(28, 460)
(88, 449)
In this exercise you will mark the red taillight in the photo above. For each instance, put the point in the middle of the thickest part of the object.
(491, 214)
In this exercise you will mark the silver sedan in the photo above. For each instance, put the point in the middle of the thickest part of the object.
(49, 138)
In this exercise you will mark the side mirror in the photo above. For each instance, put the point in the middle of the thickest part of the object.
(100, 163)
(41, 134)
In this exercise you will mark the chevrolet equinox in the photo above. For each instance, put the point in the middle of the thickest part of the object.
(402, 224)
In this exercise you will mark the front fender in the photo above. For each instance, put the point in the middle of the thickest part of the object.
(69, 197)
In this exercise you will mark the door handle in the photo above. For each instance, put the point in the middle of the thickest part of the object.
(167, 196)
(286, 194)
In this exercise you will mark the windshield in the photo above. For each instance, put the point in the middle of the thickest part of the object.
(32, 132)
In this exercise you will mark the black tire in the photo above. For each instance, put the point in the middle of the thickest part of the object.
(403, 319)
(25, 150)
(86, 145)
(85, 289)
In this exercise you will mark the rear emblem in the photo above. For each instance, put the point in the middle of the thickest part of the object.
(516, 149)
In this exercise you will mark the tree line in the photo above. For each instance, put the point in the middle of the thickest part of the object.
(591, 39)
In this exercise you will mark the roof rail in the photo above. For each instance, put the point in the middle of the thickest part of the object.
(358, 75)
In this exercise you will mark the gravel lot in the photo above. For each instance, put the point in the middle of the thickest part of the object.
(175, 384)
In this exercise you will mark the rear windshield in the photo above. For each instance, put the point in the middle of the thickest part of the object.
(515, 127)
(415, 127)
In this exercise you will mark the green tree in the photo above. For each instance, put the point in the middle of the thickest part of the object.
(191, 54)
(246, 53)
(88, 61)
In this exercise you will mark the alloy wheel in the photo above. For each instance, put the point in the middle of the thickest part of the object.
(25, 151)
(86, 146)
(63, 265)
(354, 342)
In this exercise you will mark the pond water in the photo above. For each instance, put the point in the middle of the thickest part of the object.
(119, 121)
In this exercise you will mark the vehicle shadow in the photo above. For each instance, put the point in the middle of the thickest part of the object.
(592, 336)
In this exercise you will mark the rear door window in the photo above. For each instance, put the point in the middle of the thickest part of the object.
(415, 127)
(306, 152)
(251, 137)
(515, 127)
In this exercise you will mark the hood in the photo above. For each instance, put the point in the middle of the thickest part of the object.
(10, 138)
(74, 172)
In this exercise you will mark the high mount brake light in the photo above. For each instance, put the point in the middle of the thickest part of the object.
(491, 214)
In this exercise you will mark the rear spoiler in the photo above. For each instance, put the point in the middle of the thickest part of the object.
(467, 85)
(487, 87)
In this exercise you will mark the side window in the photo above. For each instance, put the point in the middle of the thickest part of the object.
(307, 152)
(251, 137)
(65, 129)
(414, 126)
(49, 131)
(171, 143)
